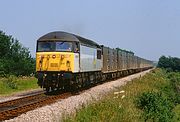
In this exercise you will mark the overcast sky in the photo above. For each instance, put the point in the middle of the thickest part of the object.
(150, 28)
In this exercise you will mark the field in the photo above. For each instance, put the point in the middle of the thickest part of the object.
(153, 97)
(12, 84)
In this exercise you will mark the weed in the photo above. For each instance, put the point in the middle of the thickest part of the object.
(155, 106)
(176, 111)
(11, 82)
(174, 77)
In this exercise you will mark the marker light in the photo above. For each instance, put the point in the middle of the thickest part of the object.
(53, 56)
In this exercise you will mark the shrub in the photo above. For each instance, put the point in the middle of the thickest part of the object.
(155, 106)
(169, 63)
(11, 82)
(174, 78)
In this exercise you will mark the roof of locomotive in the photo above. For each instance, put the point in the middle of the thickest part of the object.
(60, 35)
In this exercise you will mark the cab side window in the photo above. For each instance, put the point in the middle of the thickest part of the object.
(98, 54)
(76, 47)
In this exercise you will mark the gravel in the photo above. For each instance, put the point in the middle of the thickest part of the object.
(55, 112)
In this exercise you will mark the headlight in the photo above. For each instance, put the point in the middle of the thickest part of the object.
(53, 56)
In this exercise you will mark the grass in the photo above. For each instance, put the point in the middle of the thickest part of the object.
(13, 84)
(176, 111)
(120, 106)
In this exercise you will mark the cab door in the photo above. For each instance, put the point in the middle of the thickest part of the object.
(76, 57)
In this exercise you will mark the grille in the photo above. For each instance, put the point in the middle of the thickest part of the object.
(54, 64)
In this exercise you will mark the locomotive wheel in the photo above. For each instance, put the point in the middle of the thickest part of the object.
(47, 89)
(73, 88)
(53, 89)
(67, 88)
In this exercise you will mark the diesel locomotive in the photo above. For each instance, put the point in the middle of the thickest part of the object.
(68, 61)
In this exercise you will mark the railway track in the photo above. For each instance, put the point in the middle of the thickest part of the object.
(15, 102)
(14, 108)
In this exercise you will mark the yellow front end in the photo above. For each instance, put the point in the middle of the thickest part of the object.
(55, 61)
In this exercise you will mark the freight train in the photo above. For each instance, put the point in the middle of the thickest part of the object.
(68, 61)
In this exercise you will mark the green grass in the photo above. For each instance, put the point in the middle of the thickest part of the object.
(13, 84)
(176, 117)
(117, 109)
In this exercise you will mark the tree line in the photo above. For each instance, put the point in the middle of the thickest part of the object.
(169, 63)
(15, 59)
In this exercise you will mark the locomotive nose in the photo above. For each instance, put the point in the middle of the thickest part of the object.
(58, 61)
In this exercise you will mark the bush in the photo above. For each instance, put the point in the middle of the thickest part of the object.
(11, 82)
(169, 63)
(174, 78)
(155, 106)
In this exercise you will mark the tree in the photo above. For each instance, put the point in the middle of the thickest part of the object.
(14, 58)
(169, 63)
(5, 44)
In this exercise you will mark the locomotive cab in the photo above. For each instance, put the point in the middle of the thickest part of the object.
(56, 56)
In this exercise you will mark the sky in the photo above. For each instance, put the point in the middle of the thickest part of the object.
(149, 28)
